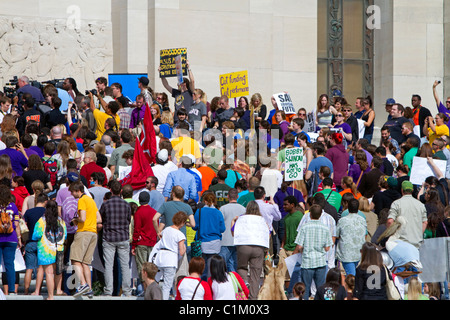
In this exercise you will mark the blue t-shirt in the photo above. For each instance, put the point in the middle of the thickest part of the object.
(314, 167)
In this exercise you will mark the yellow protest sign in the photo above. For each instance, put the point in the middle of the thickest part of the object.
(234, 84)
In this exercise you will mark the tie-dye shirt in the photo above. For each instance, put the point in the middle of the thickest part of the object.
(48, 242)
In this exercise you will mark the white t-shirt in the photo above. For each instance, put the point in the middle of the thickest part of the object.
(168, 248)
(161, 172)
(223, 291)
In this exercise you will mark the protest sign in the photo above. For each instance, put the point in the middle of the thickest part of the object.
(420, 169)
(168, 59)
(293, 169)
(234, 84)
(284, 102)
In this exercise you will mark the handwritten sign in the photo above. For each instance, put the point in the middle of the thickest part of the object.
(234, 84)
(168, 62)
(293, 169)
(284, 102)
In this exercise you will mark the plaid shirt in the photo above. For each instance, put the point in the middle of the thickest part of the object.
(125, 118)
(314, 236)
(116, 218)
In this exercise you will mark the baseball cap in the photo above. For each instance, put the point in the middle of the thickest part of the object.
(390, 101)
(73, 176)
(407, 186)
(163, 155)
(144, 80)
(144, 197)
(392, 182)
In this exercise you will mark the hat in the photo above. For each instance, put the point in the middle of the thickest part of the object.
(390, 101)
(392, 182)
(407, 186)
(163, 155)
(144, 197)
(191, 156)
(73, 176)
(144, 80)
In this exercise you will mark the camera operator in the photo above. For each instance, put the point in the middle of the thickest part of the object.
(24, 87)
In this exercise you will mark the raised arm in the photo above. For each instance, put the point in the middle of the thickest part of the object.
(435, 94)
(165, 83)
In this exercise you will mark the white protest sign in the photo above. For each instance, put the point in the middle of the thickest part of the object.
(293, 168)
(284, 102)
(421, 169)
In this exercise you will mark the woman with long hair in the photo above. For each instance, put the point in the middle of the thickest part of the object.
(324, 111)
(349, 186)
(333, 288)
(6, 170)
(259, 109)
(166, 126)
(415, 291)
(36, 172)
(223, 283)
(9, 240)
(50, 232)
(251, 238)
(369, 118)
(62, 155)
(359, 167)
(209, 224)
(371, 267)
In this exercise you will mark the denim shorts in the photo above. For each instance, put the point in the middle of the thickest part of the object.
(31, 255)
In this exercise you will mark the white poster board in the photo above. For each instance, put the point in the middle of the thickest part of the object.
(284, 102)
(421, 169)
(293, 168)
(361, 128)
(19, 262)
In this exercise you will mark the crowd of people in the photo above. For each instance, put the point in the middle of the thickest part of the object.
(216, 212)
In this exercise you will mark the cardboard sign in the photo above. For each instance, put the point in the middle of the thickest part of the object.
(235, 84)
(168, 62)
(284, 102)
(293, 169)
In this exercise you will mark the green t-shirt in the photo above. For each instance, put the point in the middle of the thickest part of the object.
(246, 198)
(291, 222)
(221, 192)
(334, 198)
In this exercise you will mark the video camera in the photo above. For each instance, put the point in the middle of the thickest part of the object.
(93, 91)
(11, 87)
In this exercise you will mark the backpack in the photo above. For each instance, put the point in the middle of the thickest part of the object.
(6, 225)
(51, 168)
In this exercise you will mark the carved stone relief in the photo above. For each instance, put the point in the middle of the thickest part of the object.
(44, 49)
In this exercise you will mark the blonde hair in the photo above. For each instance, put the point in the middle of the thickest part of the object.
(256, 96)
(38, 187)
(348, 182)
(364, 204)
(167, 117)
(414, 289)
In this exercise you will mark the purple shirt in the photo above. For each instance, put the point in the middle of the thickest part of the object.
(69, 207)
(136, 115)
(443, 109)
(280, 196)
(346, 128)
(38, 150)
(18, 160)
(13, 212)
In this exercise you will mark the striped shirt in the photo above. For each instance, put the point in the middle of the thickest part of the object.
(116, 218)
(314, 236)
(125, 118)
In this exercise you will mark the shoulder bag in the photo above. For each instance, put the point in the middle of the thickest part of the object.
(240, 294)
(391, 289)
(196, 245)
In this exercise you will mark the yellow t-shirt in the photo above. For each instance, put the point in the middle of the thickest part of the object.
(88, 204)
(100, 119)
(440, 131)
(184, 146)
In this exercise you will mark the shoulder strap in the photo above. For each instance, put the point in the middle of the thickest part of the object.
(199, 282)
(199, 218)
(445, 228)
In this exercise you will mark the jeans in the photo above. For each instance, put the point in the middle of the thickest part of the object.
(318, 275)
(169, 276)
(123, 251)
(350, 267)
(229, 254)
(296, 277)
(7, 255)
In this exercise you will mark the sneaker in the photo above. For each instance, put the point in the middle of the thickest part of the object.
(81, 290)
(89, 294)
